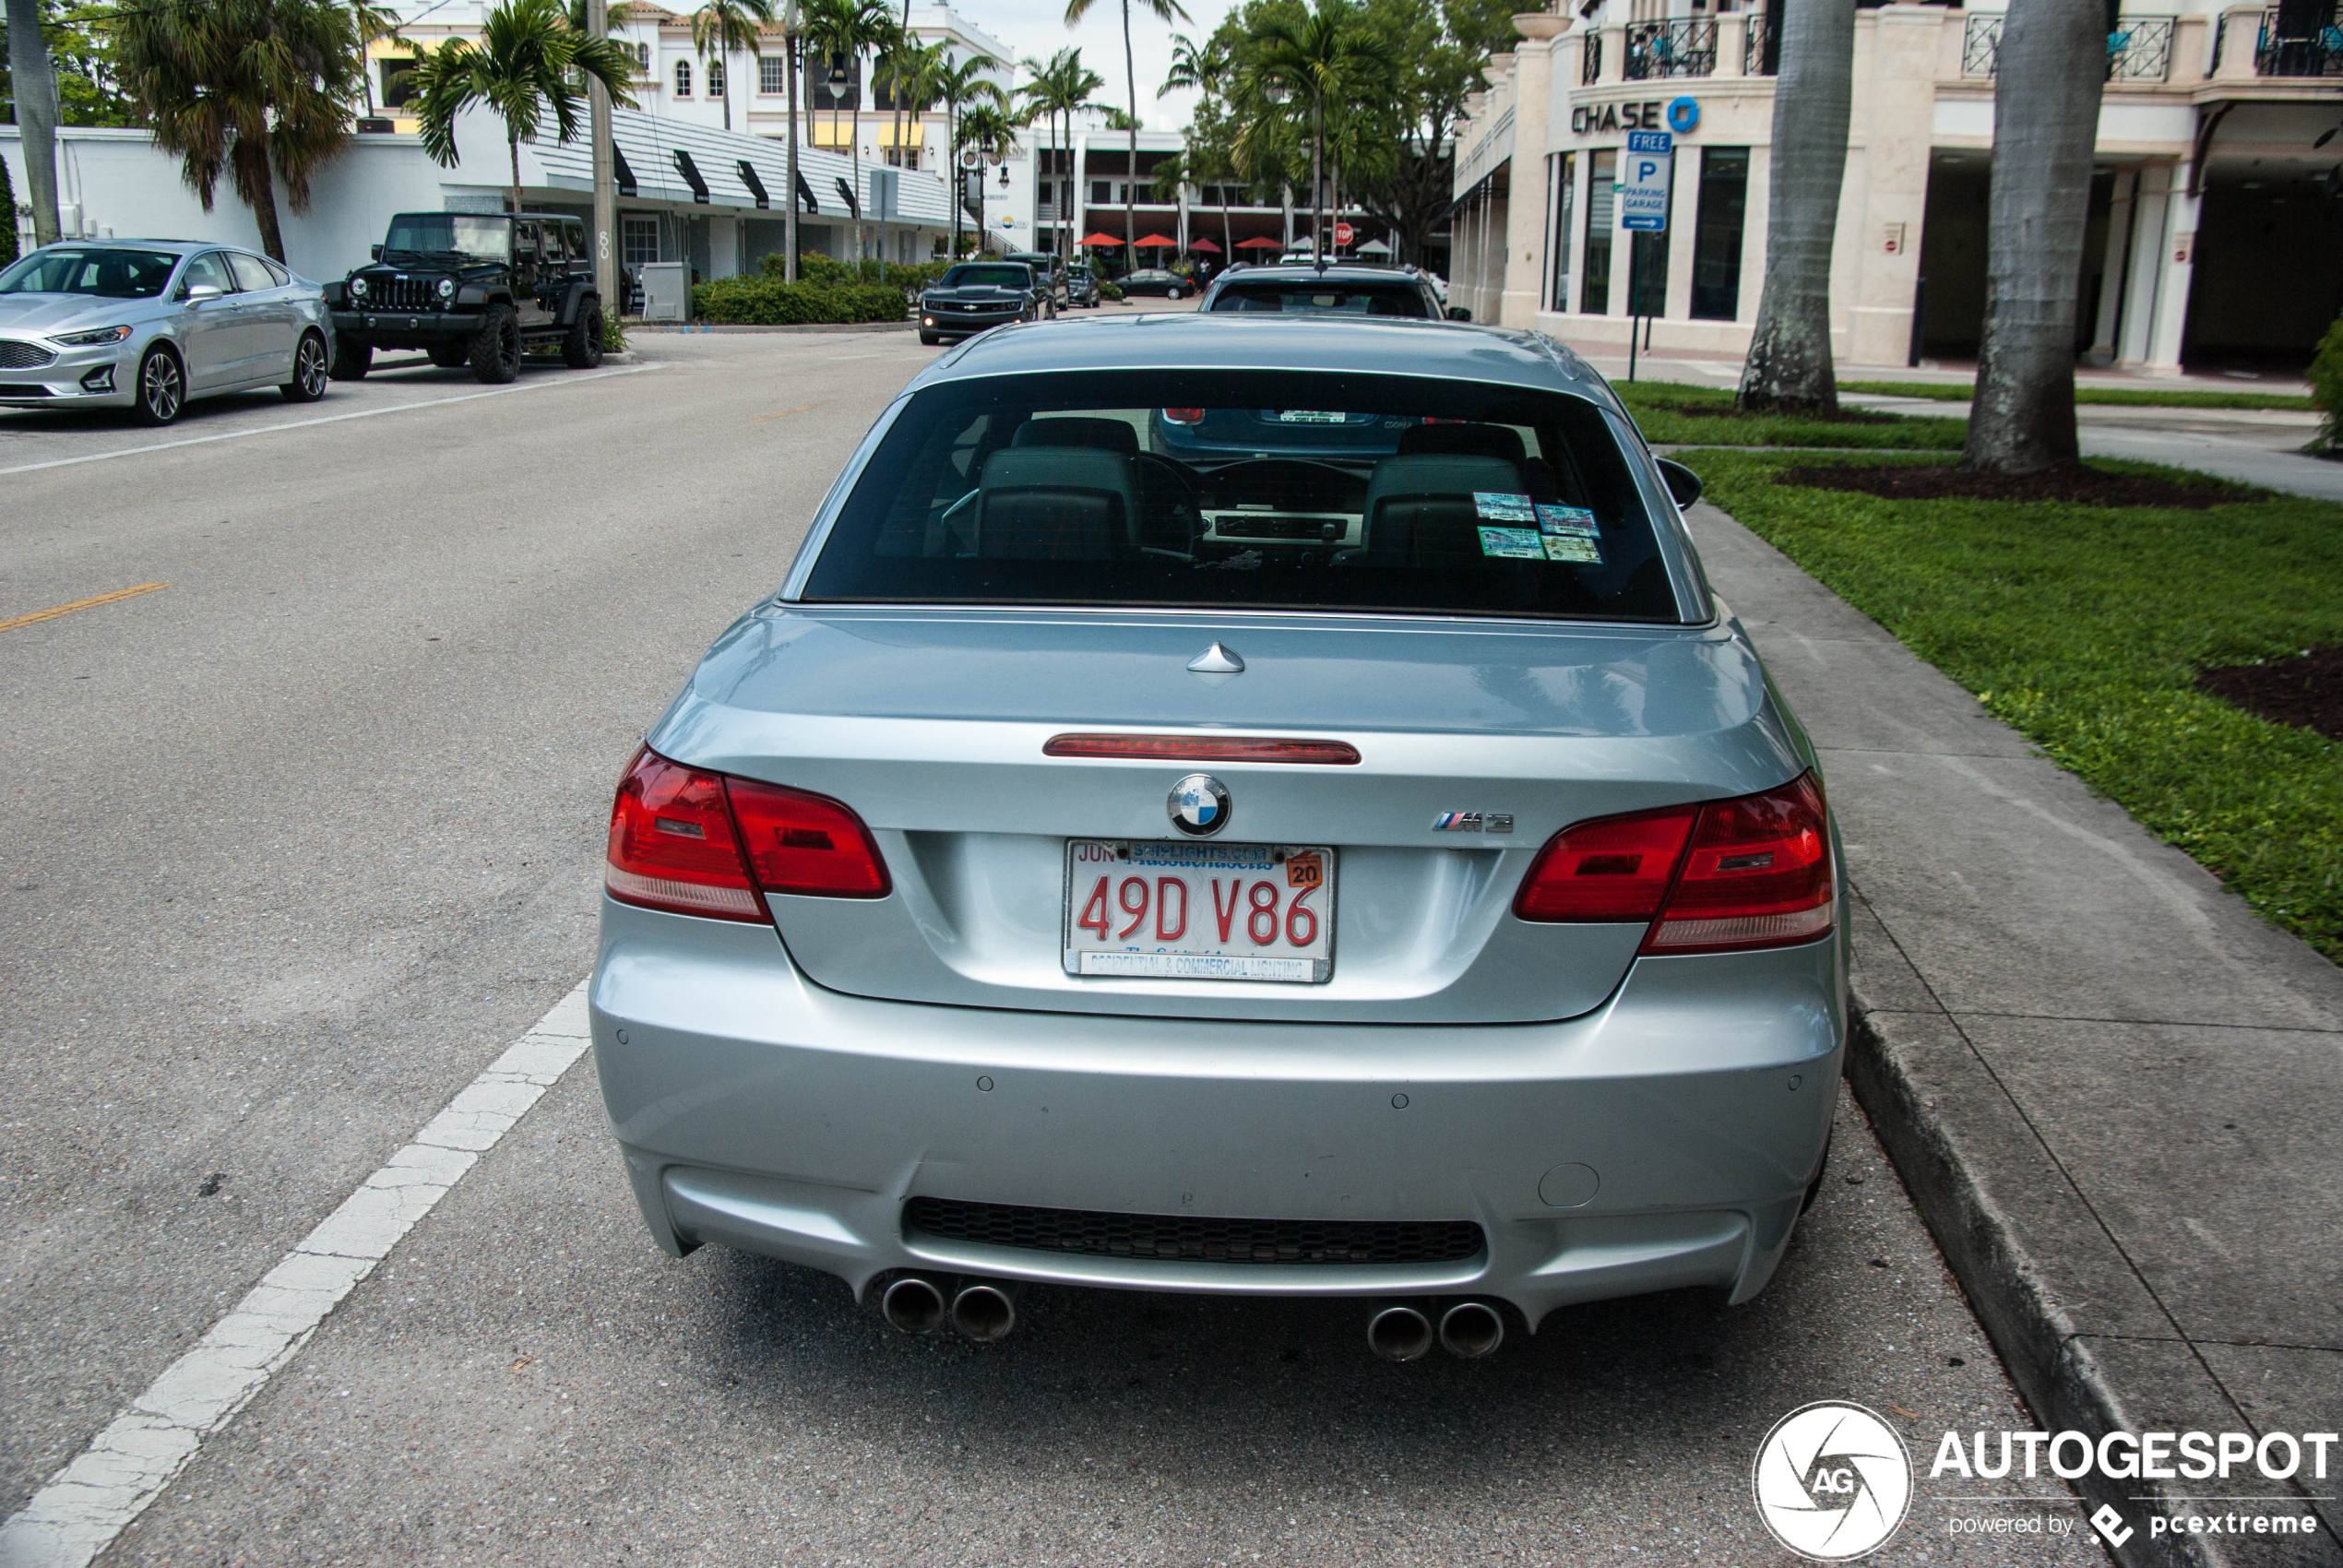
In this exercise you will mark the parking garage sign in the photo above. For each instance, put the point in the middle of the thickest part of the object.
(1645, 175)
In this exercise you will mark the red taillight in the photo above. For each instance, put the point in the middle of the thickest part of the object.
(1203, 748)
(687, 841)
(1183, 416)
(671, 844)
(1741, 874)
(802, 843)
(1616, 868)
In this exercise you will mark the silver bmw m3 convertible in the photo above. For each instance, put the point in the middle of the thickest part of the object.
(1233, 805)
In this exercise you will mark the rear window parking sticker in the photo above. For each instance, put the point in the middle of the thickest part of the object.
(1497, 506)
(1571, 547)
(1512, 544)
(1567, 519)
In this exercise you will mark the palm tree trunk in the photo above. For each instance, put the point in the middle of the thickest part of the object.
(1317, 178)
(727, 57)
(512, 145)
(36, 92)
(257, 183)
(2046, 95)
(854, 159)
(1790, 363)
(1131, 191)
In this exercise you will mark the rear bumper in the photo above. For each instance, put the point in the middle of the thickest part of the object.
(760, 1111)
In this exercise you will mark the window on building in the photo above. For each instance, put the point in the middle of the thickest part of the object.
(1716, 234)
(1101, 192)
(643, 59)
(399, 87)
(1564, 185)
(838, 82)
(683, 78)
(638, 240)
(1602, 197)
(772, 75)
(715, 78)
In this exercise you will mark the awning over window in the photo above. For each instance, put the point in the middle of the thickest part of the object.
(836, 134)
(911, 130)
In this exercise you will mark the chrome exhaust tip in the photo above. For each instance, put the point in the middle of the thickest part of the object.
(1471, 1329)
(1398, 1333)
(984, 1313)
(913, 1304)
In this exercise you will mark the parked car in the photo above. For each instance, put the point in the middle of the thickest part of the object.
(146, 325)
(1350, 289)
(1156, 280)
(1052, 272)
(474, 290)
(1385, 874)
(1082, 286)
(975, 295)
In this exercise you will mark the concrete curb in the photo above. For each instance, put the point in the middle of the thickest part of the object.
(906, 324)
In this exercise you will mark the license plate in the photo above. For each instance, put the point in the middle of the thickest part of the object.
(1162, 910)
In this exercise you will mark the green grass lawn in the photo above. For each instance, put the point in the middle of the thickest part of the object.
(1659, 408)
(2135, 397)
(2084, 628)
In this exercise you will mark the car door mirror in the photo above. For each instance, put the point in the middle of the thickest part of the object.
(197, 293)
(1683, 483)
(1457, 312)
(374, 253)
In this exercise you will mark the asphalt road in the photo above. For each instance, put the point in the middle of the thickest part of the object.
(300, 842)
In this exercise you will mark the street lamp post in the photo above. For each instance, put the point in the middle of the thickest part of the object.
(605, 180)
(788, 217)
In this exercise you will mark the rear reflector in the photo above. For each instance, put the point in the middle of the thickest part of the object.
(687, 841)
(1203, 748)
(1183, 416)
(1731, 874)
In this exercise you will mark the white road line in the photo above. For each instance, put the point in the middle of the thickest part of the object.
(127, 1465)
(572, 380)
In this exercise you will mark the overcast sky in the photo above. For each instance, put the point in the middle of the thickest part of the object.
(1037, 29)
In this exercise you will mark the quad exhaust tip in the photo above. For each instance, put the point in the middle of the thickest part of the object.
(914, 1304)
(1471, 1329)
(1398, 1333)
(984, 1313)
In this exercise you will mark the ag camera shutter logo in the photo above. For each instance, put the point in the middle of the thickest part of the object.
(1832, 1481)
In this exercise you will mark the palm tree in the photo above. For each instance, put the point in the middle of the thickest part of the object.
(1790, 364)
(1202, 68)
(990, 131)
(848, 28)
(910, 70)
(728, 26)
(528, 60)
(958, 85)
(2053, 64)
(34, 78)
(259, 89)
(1330, 54)
(1162, 11)
(1063, 87)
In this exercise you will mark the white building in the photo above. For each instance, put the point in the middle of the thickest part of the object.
(2207, 242)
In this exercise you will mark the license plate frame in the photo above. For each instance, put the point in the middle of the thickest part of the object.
(1192, 953)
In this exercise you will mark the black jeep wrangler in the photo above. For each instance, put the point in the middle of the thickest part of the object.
(471, 289)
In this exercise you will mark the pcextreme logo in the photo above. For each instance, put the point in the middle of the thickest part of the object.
(1832, 1481)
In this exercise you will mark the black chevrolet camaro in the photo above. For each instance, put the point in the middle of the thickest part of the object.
(978, 294)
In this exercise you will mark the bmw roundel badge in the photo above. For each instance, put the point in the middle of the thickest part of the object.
(1199, 805)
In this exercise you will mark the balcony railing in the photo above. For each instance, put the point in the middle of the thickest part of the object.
(1753, 47)
(1590, 70)
(2318, 51)
(2139, 50)
(1685, 46)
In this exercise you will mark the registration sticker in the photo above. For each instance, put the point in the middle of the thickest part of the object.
(1572, 548)
(1512, 544)
(1497, 506)
(1567, 519)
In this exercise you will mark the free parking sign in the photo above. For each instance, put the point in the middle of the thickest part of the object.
(1645, 175)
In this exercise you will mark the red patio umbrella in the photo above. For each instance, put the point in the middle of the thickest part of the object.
(1259, 243)
(1155, 240)
(1099, 238)
(1205, 245)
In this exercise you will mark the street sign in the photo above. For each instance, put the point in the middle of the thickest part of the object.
(1342, 233)
(1644, 177)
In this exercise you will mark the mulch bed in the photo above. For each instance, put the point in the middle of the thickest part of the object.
(2306, 692)
(2077, 483)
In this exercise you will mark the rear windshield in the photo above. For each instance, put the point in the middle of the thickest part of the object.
(1276, 489)
(107, 274)
(998, 275)
(1337, 299)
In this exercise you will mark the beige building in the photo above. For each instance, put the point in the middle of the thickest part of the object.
(2209, 243)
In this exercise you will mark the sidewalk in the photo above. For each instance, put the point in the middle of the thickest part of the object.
(2112, 1090)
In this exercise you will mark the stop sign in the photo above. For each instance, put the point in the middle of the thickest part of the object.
(1342, 233)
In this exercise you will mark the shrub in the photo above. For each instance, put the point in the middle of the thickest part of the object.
(7, 217)
(768, 302)
(2326, 388)
(829, 270)
(1109, 292)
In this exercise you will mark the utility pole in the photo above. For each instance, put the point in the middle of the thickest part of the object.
(789, 221)
(36, 91)
(606, 282)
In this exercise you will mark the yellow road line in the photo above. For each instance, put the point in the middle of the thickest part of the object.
(786, 412)
(55, 611)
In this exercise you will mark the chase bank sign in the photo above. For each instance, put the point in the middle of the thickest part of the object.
(1681, 115)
